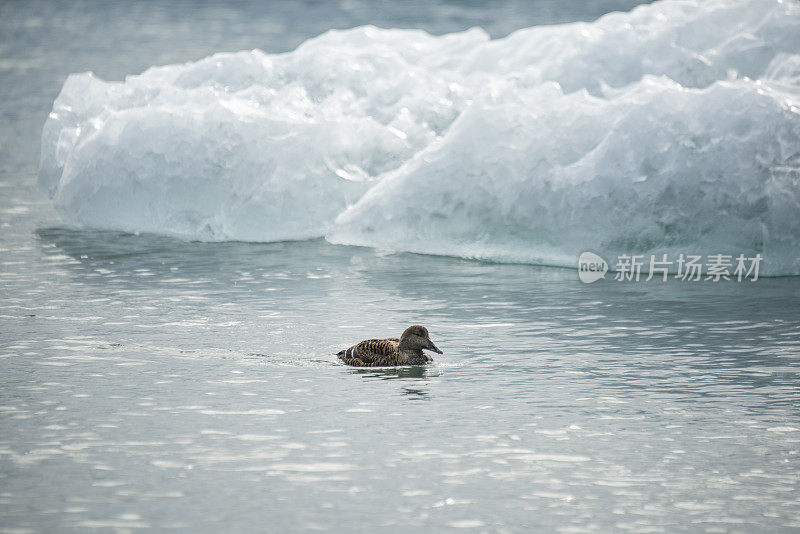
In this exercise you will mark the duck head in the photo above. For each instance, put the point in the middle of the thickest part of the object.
(417, 338)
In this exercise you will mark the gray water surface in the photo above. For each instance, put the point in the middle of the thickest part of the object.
(153, 384)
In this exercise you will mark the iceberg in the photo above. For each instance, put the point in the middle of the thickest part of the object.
(674, 128)
(538, 176)
(247, 146)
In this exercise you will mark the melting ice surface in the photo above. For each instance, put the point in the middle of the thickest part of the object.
(672, 128)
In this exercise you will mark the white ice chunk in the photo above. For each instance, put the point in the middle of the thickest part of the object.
(675, 126)
(534, 175)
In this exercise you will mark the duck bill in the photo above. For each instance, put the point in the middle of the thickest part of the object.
(433, 347)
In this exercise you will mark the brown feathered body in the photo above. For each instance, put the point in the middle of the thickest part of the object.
(381, 353)
(391, 351)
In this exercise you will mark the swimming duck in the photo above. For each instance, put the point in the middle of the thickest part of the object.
(392, 351)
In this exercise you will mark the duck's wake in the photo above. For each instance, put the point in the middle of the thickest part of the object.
(672, 128)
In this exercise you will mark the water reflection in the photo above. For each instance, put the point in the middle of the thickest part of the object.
(559, 397)
(308, 299)
(390, 373)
